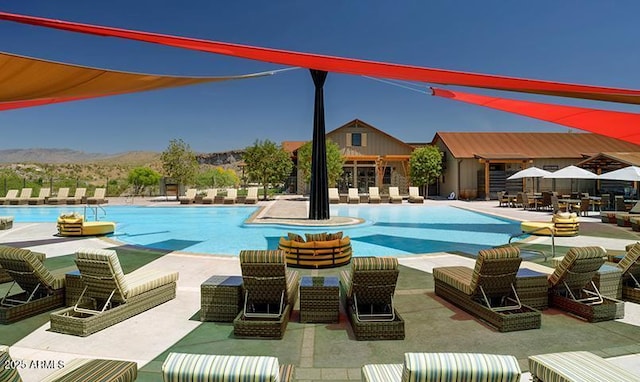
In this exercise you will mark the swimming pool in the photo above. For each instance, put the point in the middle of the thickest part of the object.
(389, 230)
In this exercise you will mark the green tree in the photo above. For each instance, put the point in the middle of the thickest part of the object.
(141, 177)
(217, 177)
(179, 162)
(335, 161)
(267, 163)
(425, 166)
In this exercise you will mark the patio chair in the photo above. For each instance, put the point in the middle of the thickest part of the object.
(414, 195)
(571, 286)
(353, 197)
(271, 291)
(585, 206)
(623, 219)
(85, 370)
(231, 197)
(576, 366)
(183, 367)
(368, 290)
(374, 195)
(78, 197)
(334, 197)
(41, 290)
(98, 196)
(451, 367)
(11, 194)
(189, 196)
(252, 195)
(503, 201)
(394, 195)
(60, 197)
(210, 197)
(23, 198)
(528, 203)
(630, 267)
(109, 296)
(488, 291)
(42, 197)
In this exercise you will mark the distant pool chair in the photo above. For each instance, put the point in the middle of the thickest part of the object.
(334, 196)
(252, 195)
(189, 196)
(353, 197)
(414, 195)
(231, 197)
(394, 195)
(374, 195)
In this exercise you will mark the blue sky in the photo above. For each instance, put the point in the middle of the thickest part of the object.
(588, 42)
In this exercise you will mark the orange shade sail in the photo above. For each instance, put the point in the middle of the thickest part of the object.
(347, 65)
(615, 124)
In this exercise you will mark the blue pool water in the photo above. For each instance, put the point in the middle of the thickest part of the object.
(392, 230)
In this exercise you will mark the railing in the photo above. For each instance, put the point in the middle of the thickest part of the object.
(546, 229)
(94, 210)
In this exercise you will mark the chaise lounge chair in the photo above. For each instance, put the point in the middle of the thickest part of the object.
(271, 291)
(414, 195)
(98, 196)
(576, 366)
(630, 267)
(61, 197)
(374, 195)
(572, 288)
(252, 195)
(353, 197)
(488, 291)
(367, 290)
(334, 196)
(11, 194)
(394, 195)
(182, 367)
(41, 290)
(114, 296)
(85, 370)
(78, 197)
(189, 196)
(231, 197)
(623, 219)
(450, 367)
(42, 197)
(25, 194)
(210, 197)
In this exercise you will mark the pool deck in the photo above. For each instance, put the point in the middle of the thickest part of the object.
(134, 339)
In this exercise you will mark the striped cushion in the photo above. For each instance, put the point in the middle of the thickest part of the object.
(631, 260)
(142, 280)
(458, 277)
(85, 370)
(334, 236)
(35, 262)
(576, 366)
(374, 263)
(490, 254)
(295, 237)
(261, 256)
(426, 367)
(316, 236)
(180, 367)
(574, 254)
(345, 280)
(111, 257)
(382, 373)
(7, 374)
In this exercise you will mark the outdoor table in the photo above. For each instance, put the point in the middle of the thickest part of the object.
(570, 203)
(319, 299)
(220, 298)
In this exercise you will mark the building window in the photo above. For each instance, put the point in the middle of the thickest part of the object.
(356, 139)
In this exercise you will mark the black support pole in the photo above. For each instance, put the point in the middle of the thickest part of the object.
(319, 198)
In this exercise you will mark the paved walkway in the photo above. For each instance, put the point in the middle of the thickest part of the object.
(134, 339)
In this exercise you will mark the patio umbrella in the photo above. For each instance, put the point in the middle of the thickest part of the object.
(530, 172)
(572, 172)
(630, 173)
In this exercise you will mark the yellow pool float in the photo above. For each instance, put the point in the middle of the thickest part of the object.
(562, 224)
(74, 225)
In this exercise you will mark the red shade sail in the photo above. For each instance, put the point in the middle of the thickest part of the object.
(348, 65)
(615, 124)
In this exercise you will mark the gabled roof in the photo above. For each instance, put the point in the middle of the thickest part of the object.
(360, 123)
(530, 145)
(291, 146)
(611, 159)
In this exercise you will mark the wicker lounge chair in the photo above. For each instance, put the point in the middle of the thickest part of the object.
(414, 195)
(252, 195)
(11, 194)
(394, 195)
(334, 196)
(6, 222)
(488, 291)
(98, 196)
(368, 290)
(42, 197)
(41, 290)
(61, 197)
(271, 291)
(85, 370)
(79, 197)
(630, 267)
(577, 366)
(451, 367)
(189, 196)
(210, 197)
(374, 195)
(623, 218)
(231, 197)
(572, 288)
(353, 197)
(23, 198)
(112, 296)
(182, 367)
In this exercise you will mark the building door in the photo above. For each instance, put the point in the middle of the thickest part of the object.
(346, 181)
(366, 178)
